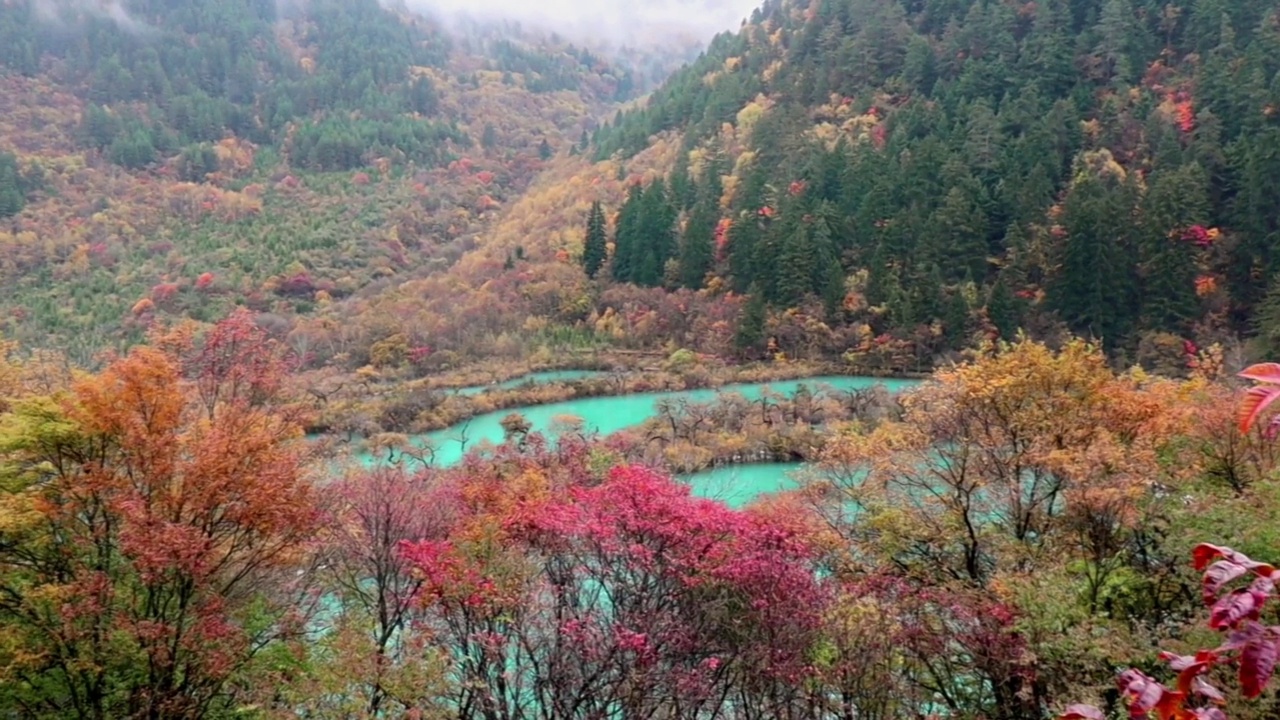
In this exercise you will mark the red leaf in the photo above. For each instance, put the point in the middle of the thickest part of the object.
(1218, 575)
(1082, 712)
(1146, 695)
(1233, 608)
(1262, 372)
(1257, 663)
(1256, 399)
(1204, 553)
(1178, 663)
(1201, 687)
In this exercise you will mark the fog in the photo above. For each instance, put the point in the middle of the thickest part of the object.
(633, 23)
(612, 22)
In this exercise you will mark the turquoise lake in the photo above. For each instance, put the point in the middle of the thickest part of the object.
(606, 415)
(738, 485)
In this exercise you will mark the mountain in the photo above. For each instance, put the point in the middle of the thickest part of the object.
(924, 171)
(887, 182)
(173, 159)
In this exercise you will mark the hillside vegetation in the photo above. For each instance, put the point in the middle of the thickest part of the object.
(921, 171)
(181, 158)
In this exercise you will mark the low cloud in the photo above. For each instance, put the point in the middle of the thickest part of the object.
(72, 11)
(614, 22)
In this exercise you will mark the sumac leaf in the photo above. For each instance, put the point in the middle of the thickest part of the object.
(1205, 553)
(1082, 712)
(1201, 687)
(1257, 663)
(1219, 574)
(1256, 399)
(1178, 663)
(1234, 608)
(1262, 372)
(1146, 695)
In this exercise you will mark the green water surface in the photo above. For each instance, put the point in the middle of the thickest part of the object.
(606, 415)
(738, 485)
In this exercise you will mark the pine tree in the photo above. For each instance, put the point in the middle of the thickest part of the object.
(1094, 288)
(1002, 310)
(1176, 201)
(595, 247)
(749, 337)
(956, 321)
(796, 267)
(544, 150)
(696, 247)
(627, 236)
(655, 239)
(1266, 323)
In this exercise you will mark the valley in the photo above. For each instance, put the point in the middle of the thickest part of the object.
(857, 359)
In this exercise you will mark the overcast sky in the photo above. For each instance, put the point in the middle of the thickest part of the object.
(630, 22)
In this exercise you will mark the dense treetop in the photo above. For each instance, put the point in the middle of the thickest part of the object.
(1105, 164)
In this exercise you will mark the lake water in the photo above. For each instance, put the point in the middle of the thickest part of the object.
(606, 415)
(738, 485)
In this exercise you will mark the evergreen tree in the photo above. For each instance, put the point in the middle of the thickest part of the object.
(655, 238)
(595, 247)
(1266, 323)
(749, 337)
(544, 150)
(1002, 310)
(627, 236)
(1176, 201)
(12, 194)
(956, 321)
(796, 267)
(1094, 288)
(697, 245)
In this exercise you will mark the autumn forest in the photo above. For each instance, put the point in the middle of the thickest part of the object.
(873, 359)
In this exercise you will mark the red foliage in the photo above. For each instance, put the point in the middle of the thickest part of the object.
(164, 292)
(298, 285)
(1247, 643)
(1199, 235)
(630, 582)
(204, 281)
(1259, 397)
(766, 212)
(361, 179)
(879, 135)
(722, 238)
(796, 188)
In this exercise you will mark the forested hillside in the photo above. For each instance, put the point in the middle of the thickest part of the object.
(921, 172)
(162, 159)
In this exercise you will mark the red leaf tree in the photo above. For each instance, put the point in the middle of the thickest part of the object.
(627, 597)
(150, 536)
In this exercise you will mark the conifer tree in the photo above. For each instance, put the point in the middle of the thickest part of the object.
(750, 333)
(1094, 287)
(1176, 201)
(627, 236)
(595, 247)
(1002, 310)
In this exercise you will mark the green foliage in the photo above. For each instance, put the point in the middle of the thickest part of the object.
(595, 247)
(1067, 150)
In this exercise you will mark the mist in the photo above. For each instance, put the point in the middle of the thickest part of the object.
(632, 23)
(62, 12)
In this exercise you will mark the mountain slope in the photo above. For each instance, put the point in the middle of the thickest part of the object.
(1100, 167)
(174, 159)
